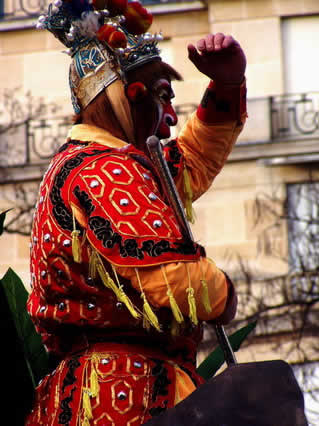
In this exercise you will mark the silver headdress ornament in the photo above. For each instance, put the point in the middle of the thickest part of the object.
(105, 39)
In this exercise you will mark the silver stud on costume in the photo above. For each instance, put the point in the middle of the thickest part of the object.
(124, 201)
(152, 196)
(117, 171)
(121, 395)
(43, 274)
(94, 183)
(67, 243)
(47, 238)
(42, 309)
(119, 305)
(90, 306)
(137, 364)
(105, 361)
(146, 176)
(61, 306)
(157, 223)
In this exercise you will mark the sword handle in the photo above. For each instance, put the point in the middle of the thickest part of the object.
(168, 184)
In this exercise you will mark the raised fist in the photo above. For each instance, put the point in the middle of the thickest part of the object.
(220, 58)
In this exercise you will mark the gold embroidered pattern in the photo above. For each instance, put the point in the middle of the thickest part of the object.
(119, 195)
(117, 173)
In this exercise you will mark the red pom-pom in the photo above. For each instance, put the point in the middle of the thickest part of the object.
(104, 32)
(112, 36)
(116, 7)
(137, 18)
(117, 39)
(136, 91)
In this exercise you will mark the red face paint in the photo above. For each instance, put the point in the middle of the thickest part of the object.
(167, 114)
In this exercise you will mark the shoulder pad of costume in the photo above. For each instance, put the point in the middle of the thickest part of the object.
(127, 218)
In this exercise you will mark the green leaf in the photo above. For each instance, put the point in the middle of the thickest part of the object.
(32, 347)
(215, 360)
(2, 219)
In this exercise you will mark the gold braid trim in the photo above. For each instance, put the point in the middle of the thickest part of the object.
(191, 300)
(149, 317)
(174, 306)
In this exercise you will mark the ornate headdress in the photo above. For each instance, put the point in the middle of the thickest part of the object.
(105, 38)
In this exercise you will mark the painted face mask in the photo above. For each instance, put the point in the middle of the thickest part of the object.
(166, 114)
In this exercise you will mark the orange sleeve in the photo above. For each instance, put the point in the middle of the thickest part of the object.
(180, 276)
(205, 148)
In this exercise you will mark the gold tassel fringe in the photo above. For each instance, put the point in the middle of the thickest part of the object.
(205, 296)
(93, 264)
(191, 300)
(190, 214)
(124, 298)
(118, 290)
(192, 306)
(94, 383)
(148, 314)
(87, 405)
(174, 306)
(85, 422)
(107, 280)
(76, 246)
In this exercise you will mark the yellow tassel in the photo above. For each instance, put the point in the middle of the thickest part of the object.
(76, 247)
(148, 314)
(190, 214)
(191, 300)
(146, 323)
(192, 306)
(174, 306)
(93, 264)
(94, 383)
(106, 279)
(85, 422)
(128, 303)
(124, 298)
(87, 404)
(205, 296)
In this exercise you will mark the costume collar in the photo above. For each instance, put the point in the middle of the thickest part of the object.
(90, 133)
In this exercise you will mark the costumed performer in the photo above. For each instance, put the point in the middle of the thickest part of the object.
(118, 294)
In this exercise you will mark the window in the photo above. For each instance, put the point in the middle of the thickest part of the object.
(303, 225)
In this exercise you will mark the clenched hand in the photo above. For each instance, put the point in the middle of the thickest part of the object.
(219, 57)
